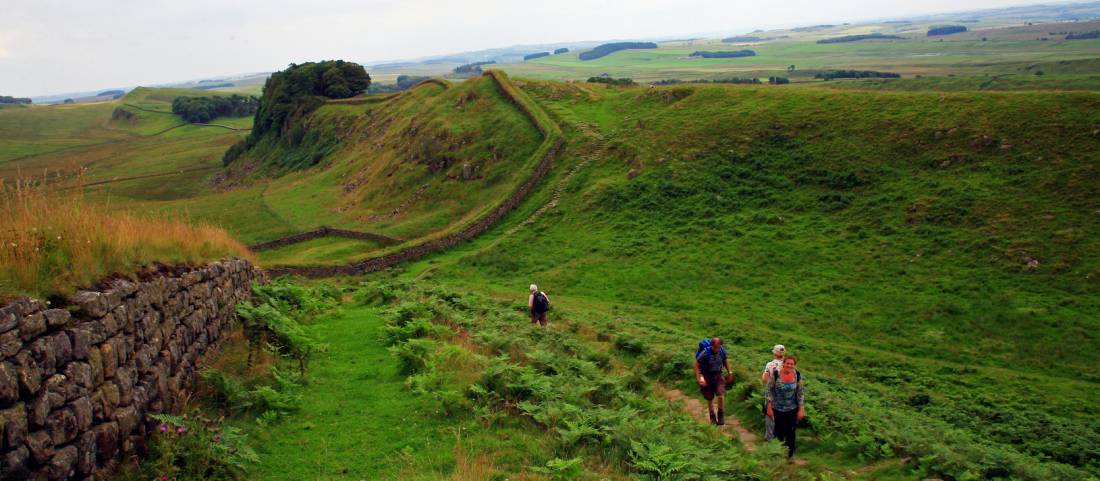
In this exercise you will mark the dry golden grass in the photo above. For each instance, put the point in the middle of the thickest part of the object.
(53, 241)
(470, 467)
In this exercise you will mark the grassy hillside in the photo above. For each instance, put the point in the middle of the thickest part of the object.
(928, 256)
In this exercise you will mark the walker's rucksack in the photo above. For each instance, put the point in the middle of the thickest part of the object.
(704, 349)
(542, 304)
(705, 346)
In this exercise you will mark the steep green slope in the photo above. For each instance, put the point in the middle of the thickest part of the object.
(930, 257)
(413, 166)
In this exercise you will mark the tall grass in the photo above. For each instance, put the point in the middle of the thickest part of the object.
(53, 241)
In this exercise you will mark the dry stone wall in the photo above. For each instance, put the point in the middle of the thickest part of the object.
(76, 383)
(324, 232)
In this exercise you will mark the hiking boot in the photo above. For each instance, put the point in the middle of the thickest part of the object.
(721, 418)
(713, 419)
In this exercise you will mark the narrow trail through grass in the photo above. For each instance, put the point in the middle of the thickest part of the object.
(356, 420)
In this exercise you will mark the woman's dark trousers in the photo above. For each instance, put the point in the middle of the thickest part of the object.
(785, 423)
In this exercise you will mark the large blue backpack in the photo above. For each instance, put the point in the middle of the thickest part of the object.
(704, 348)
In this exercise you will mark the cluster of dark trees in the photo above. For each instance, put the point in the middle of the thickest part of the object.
(472, 68)
(611, 81)
(404, 82)
(1083, 35)
(289, 96)
(856, 38)
(724, 54)
(300, 88)
(204, 109)
(560, 51)
(835, 74)
(946, 30)
(608, 48)
(742, 39)
(532, 56)
(730, 80)
(5, 99)
(778, 80)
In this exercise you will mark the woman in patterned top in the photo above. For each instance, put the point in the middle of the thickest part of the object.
(785, 402)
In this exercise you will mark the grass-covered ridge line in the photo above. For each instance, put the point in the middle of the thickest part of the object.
(542, 159)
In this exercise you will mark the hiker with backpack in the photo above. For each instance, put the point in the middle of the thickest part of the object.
(786, 397)
(710, 358)
(539, 304)
(774, 365)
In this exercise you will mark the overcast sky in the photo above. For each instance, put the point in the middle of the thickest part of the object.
(54, 46)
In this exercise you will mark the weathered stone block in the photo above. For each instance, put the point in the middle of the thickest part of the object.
(106, 440)
(9, 384)
(125, 379)
(10, 343)
(56, 317)
(45, 354)
(85, 459)
(144, 357)
(92, 303)
(80, 374)
(40, 446)
(14, 424)
(81, 340)
(96, 332)
(127, 419)
(30, 375)
(110, 324)
(113, 298)
(31, 326)
(190, 278)
(82, 409)
(62, 348)
(95, 361)
(39, 410)
(123, 287)
(97, 400)
(58, 387)
(110, 389)
(61, 425)
(110, 360)
(14, 464)
(63, 463)
(8, 319)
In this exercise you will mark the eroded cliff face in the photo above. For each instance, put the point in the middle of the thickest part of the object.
(77, 383)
